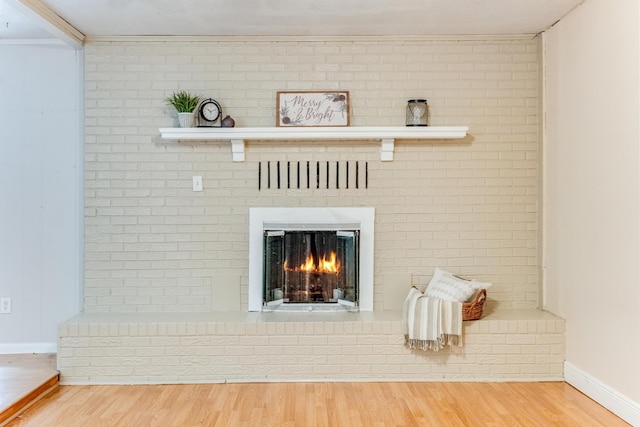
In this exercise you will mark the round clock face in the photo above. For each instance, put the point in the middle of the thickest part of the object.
(210, 110)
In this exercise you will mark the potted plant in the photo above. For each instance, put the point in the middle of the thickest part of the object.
(185, 103)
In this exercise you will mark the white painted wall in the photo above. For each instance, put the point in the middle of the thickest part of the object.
(592, 189)
(40, 192)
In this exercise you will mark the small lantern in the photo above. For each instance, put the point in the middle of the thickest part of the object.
(417, 112)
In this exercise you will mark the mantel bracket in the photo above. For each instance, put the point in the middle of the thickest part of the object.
(237, 150)
(387, 146)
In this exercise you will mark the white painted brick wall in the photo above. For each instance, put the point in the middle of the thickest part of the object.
(153, 245)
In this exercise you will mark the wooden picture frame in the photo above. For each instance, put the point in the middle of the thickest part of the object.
(312, 108)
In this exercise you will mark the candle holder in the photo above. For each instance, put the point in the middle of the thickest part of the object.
(417, 112)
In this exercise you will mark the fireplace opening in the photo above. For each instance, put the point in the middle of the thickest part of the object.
(305, 259)
(311, 267)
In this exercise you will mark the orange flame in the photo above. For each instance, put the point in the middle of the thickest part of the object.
(325, 265)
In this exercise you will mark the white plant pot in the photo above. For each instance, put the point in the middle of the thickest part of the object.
(185, 119)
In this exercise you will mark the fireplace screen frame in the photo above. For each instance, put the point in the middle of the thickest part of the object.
(261, 218)
(313, 265)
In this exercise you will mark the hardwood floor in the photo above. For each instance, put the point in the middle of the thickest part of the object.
(24, 378)
(319, 404)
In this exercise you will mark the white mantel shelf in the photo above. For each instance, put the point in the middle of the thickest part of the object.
(386, 135)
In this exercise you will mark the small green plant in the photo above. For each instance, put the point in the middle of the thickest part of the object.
(183, 101)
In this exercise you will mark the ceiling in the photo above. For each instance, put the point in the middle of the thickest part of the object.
(109, 18)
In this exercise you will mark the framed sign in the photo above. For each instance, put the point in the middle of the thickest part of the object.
(316, 108)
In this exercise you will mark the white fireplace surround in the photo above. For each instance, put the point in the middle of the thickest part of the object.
(258, 217)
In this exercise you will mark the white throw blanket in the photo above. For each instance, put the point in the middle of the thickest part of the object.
(430, 323)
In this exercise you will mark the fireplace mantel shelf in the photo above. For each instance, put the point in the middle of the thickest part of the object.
(386, 135)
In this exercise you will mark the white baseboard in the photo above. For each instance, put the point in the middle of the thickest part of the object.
(606, 396)
(29, 347)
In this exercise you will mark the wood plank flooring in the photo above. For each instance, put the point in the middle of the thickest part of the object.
(24, 378)
(319, 404)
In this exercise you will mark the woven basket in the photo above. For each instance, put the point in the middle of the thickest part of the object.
(473, 310)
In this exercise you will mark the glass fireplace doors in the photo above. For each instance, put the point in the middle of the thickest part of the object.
(311, 267)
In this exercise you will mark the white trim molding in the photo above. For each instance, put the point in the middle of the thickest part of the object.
(48, 20)
(307, 39)
(606, 396)
(29, 347)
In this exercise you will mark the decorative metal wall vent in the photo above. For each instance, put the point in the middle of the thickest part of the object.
(313, 175)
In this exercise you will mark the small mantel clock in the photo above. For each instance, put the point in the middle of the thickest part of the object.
(209, 113)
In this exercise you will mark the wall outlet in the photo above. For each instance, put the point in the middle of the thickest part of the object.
(5, 305)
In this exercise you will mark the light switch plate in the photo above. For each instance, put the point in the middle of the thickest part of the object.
(197, 183)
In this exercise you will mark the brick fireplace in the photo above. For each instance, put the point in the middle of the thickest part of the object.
(163, 262)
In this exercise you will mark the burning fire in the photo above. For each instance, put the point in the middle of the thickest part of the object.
(325, 265)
